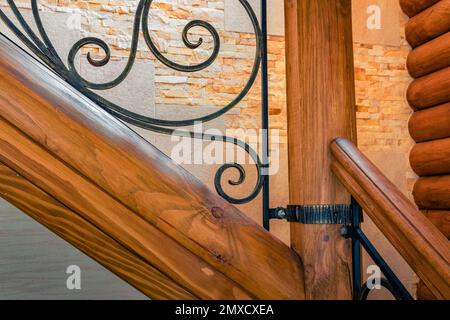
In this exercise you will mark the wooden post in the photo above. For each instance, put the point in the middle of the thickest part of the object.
(321, 107)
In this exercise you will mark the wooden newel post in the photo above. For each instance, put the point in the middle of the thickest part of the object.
(321, 107)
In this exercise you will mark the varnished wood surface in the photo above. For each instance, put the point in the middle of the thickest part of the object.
(429, 24)
(413, 7)
(80, 233)
(321, 107)
(433, 193)
(430, 57)
(148, 203)
(430, 124)
(423, 293)
(93, 204)
(431, 158)
(441, 219)
(420, 243)
(430, 90)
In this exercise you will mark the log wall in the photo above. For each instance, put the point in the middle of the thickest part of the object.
(428, 32)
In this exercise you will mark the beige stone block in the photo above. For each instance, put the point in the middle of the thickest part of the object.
(376, 22)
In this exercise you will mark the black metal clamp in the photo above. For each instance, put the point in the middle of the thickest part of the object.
(350, 217)
(314, 214)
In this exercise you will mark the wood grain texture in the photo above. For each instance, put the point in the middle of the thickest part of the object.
(429, 24)
(90, 240)
(93, 204)
(321, 107)
(430, 124)
(441, 219)
(423, 293)
(413, 7)
(431, 158)
(211, 238)
(420, 243)
(430, 57)
(433, 193)
(430, 90)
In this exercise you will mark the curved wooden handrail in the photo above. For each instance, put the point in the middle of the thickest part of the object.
(112, 178)
(420, 243)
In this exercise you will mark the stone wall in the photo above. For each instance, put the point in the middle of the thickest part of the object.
(155, 90)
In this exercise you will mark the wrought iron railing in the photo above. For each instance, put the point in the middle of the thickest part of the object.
(362, 289)
(43, 48)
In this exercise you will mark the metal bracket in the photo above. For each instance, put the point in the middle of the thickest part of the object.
(350, 216)
(314, 214)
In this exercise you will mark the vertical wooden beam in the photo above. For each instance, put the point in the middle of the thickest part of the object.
(321, 107)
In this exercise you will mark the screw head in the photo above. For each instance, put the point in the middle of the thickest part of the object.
(281, 213)
(344, 231)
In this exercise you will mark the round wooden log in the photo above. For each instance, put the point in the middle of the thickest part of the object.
(430, 90)
(433, 193)
(430, 124)
(429, 24)
(441, 219)
(431, 158)
(413, 7)
(429, 57)
(154, 200)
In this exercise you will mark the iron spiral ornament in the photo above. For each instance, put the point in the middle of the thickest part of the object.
(41, 45)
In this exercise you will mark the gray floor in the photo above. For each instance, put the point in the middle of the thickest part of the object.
(33, 264)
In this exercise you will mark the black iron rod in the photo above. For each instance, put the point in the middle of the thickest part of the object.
(395, 282)
(356, 250)
(265, 117)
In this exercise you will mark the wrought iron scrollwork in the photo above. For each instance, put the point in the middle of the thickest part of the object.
(43, 48)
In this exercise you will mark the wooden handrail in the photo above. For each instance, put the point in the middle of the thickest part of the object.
(93, 164)
(419, 242)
